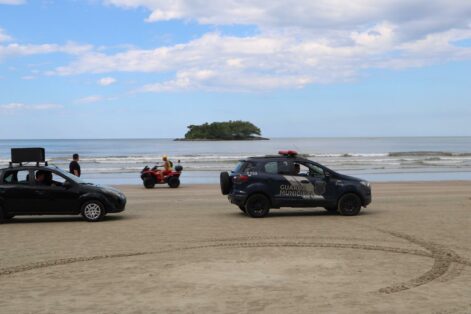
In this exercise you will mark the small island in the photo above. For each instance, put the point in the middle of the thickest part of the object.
(223, 131)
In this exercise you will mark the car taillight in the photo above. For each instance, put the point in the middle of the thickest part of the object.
(240, 178)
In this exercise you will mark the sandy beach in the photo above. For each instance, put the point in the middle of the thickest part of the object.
(188, 250)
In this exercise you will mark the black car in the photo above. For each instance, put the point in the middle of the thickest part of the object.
(287, 180)
(48, 190)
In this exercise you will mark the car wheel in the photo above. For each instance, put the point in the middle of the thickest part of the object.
(331, 209)
(149, 182)
(349, 205)
(93, 211)
(174, 182)
(257, 206)
(242, 208)
(225, 182)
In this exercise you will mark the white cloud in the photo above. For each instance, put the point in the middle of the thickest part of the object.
(293, 45)
(4, 36)
(270, 61)
(89, 99)
(10, 107)
(414, 16)
(14, 2)
(106, 81)
(15, 49)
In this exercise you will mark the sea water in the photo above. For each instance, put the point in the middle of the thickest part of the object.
(119, 161)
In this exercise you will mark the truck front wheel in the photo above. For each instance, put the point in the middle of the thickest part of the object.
(349, 205)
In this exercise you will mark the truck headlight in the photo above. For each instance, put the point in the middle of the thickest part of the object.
(365, 183)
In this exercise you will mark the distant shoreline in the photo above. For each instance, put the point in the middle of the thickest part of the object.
(221, 140)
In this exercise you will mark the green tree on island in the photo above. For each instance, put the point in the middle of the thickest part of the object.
(232, 130)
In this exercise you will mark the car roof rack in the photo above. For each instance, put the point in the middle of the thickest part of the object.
(27, 155)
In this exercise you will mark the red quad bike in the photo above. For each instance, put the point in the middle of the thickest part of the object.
(156, 175)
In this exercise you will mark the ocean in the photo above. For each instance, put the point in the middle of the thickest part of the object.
(119, 161)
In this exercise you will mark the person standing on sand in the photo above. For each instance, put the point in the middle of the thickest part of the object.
(74, 166)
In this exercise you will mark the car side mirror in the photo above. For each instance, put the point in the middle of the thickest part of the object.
(67, 184)
(327, 175)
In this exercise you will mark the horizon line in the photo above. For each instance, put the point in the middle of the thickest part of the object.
(173, 138)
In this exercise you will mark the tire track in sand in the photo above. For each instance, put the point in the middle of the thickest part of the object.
(443, 257)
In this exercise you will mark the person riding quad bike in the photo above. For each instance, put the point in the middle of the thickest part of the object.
(161, 174)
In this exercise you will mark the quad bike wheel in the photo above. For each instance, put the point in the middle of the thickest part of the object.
(173, 182)
(149, 182)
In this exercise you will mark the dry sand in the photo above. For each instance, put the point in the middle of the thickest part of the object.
(189, 250)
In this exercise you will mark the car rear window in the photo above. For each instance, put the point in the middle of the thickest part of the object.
(245, 166)
(16, 177)
(271, 167)
(277, 167)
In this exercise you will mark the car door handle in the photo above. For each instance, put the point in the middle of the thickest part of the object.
(305, 181)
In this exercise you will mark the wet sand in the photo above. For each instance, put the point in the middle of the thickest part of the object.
(189, 250)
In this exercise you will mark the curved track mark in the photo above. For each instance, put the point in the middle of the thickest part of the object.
(443, 258)
(65, 261)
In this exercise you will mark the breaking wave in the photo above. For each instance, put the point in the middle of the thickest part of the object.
(392, 161)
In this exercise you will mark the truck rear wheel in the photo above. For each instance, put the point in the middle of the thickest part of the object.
(257, 206)
(349, 205)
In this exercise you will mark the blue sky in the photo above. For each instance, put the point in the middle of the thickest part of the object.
(149, 68)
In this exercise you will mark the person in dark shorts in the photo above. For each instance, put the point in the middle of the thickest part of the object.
(74, 166)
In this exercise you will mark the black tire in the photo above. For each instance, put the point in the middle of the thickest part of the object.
(2, 215)
(226, 183)
(149, 182)
(242, 208)
(331, 209)
(349, 205)
(257, 206)
(173, 182)
(93, 211)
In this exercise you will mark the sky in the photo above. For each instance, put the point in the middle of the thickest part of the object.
(150, 68)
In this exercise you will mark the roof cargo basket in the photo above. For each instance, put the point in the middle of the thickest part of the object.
(21, 155)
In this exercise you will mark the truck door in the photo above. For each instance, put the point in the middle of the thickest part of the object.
(285, 189)
(322, 187)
